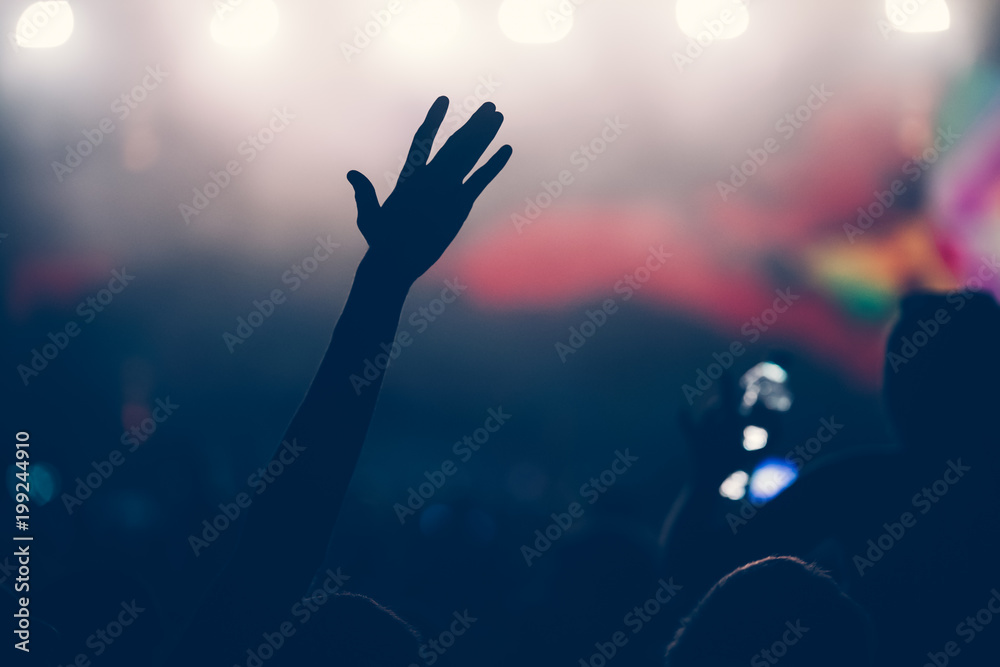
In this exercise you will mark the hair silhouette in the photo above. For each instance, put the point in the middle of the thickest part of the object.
(778, 607)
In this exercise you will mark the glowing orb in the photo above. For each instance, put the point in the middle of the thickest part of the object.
(44, 25)
(244, 25)
(709, 20)
(770, 478)
(536, 21)
(426, 25)
(735, 486)
(918, 15)
(754, 438)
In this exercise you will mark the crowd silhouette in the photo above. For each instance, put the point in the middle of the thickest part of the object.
(752, 598)
(871, 557)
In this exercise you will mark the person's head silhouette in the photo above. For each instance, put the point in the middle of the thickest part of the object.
(351, 631)
(778, 608)
(941, 372)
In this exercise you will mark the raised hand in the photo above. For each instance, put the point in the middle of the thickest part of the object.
(430, 202)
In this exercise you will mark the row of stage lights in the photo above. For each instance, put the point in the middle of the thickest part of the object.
(248, 24)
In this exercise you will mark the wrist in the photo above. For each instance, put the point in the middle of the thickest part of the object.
(381, 274)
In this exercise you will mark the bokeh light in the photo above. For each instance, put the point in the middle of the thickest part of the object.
(535, 21)
(245, 25)
(45, 25)
(718, 19)
(770, 478)
(426, 26)
(734, 487)
(754, 438)
(918, 15)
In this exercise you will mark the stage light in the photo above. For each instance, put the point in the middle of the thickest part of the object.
(426, 25)
(44, 482)
(918, 15)
(244, 25)
(712, 19)
(44, 25)
(754, 438)
(536, 21)
(767, 382)
(735, 486)
(770, 478)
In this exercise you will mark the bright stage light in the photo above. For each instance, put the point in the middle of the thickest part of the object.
(535, 21)
(426, 25)
(918, 15)
(244, 25)
(754, 438)
(770, 478)
(44, 25)
(735, 486)
(712, 19)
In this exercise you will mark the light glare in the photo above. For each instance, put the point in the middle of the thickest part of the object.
(754, 438)
(426, 25)
(535, 21)
(45, 25)
(712, 19)
(244, 25)
(918, 15)
(734, 486)
(771, 478)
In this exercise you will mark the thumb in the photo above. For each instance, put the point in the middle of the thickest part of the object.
(364, 193)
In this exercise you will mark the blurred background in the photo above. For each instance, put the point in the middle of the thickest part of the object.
(167, 166)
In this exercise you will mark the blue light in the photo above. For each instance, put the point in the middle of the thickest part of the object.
(770, 478)
(43, 480)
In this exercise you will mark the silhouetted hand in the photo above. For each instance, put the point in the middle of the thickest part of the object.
(429, 204)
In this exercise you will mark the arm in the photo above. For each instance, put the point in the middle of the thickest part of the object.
(287, 528)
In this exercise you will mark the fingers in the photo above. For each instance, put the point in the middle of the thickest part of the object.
(485, 174)
(464, 148)
(420, 148)
(364, 193)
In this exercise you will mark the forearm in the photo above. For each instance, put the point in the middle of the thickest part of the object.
(296, 514)
(288, 526)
